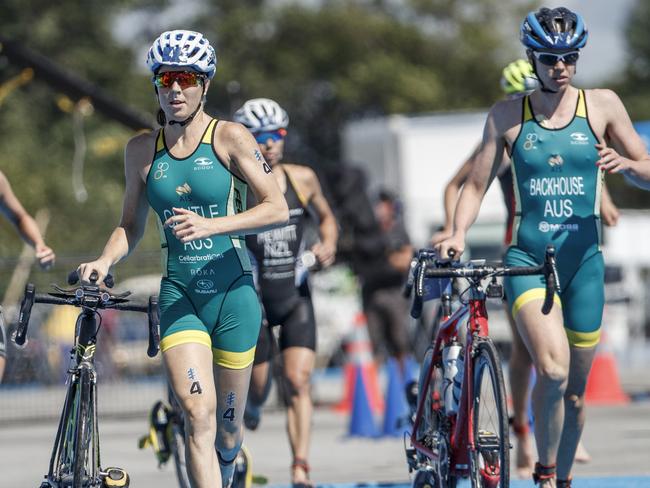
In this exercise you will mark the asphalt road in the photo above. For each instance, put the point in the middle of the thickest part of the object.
(618, 439)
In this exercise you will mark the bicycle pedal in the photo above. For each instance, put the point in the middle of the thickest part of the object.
(115, 477)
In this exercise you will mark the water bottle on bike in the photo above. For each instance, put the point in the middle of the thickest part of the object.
(451, 391)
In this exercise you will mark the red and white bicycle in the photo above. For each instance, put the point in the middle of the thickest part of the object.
(460, 427)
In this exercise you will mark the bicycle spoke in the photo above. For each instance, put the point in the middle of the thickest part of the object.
(433, 432)
(83, 432)
(177, 441)
(490, 460)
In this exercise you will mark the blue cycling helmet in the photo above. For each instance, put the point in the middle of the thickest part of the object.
(555, 29)
(183, 48)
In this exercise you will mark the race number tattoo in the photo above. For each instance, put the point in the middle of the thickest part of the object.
(229, 414)
(260, 158)
(195, 388)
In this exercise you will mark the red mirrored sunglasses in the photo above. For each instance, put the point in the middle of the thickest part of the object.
(185, 79)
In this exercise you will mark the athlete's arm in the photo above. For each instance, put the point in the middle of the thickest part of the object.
(451, 197)
(325, 250)
(401, 258)
(484, 168)
(244, 158)
(26, 226)
(125, 237)
(608, 210)
(628, 153)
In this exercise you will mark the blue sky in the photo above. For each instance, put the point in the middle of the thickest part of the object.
(604, 54)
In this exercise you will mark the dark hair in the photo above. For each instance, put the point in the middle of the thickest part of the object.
(160, 117)
(385, 195)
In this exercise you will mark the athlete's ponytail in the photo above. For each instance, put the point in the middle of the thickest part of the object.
(160, 117)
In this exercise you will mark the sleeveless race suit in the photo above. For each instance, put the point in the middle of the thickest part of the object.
(3, 337)
(557, 190)
(285, 302)
(506, 183)
(207, 293)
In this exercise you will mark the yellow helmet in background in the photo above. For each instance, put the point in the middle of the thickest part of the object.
(518, 77)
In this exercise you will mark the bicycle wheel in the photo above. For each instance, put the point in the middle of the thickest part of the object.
(176, 438)
(63, 454)
(433, 432)
(178, 450)
(490, 461)
(82, 470)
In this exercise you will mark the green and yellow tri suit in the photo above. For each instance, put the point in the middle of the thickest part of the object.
(557, 188)
(207, 293)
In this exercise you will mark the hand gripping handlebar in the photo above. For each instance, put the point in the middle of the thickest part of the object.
(428, 266)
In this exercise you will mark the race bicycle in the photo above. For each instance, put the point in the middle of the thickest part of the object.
(460, 426)
(75, 460)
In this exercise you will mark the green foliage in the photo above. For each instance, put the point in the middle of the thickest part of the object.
(37, 144)
(350, 59)
(326, 62)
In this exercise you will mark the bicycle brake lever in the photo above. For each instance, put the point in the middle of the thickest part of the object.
(419, 279)
(121, 295)
(63, 290)
(410, 278)
(555, 275)
(552, 279)
(550, 262)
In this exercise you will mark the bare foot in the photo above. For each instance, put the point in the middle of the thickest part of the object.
(582, 455)
(547, 483)
(524, 456)
(300, 474)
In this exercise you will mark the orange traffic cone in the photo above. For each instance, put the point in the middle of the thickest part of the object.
(603, 385)
(360, 362)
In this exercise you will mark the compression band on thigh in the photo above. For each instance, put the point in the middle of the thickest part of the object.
(583, 339)
(185, 337)
(233, 360)
(529, 296)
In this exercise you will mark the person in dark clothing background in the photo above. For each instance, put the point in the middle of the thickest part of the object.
(382, 280)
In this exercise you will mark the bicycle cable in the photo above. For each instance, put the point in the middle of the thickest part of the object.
(94, 310)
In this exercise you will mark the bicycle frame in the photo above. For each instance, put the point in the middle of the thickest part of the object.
(75, 460)
(461, 422)
(84, 354)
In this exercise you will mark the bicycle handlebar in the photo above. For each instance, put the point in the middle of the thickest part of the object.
(23, 316)
(80, 297)
(73, 278)
(426, 257)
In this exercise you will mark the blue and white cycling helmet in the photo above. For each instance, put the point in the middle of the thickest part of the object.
(262, 115)
(553, 29)
(184, 48)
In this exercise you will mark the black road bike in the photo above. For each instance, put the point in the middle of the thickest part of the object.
(75, 460)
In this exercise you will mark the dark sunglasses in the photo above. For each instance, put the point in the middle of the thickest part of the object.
(551, 59)
(185, 79)
(274, 135)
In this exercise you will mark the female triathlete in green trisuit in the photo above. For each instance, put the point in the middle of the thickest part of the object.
(560, 140)
(194, 172)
